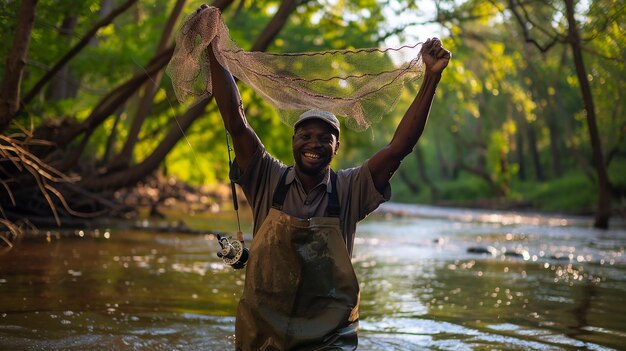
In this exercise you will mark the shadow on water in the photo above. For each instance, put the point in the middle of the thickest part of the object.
(427, 280)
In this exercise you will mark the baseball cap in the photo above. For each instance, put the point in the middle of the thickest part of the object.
(324, 116)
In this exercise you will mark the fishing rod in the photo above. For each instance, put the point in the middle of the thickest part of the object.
(233, 252)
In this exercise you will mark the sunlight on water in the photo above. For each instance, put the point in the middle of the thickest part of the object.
(469, 280)
(471, 215)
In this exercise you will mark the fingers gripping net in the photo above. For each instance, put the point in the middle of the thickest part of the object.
(360, 85)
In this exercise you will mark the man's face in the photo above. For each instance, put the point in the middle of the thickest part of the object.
(314, 145)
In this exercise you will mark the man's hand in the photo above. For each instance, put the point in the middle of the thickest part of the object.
(202, 7)
(435, 56)
(204, 22)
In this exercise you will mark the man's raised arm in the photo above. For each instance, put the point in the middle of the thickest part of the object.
(245, 140)
(386, 161)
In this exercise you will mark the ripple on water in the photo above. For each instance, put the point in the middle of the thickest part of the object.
(420, 289)
(143, 331)
(425, 334)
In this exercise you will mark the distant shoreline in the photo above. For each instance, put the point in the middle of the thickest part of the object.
(504, 216)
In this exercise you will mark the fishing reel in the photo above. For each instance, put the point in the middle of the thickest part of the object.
(232, 252)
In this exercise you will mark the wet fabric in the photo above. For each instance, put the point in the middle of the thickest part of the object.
(301, 292)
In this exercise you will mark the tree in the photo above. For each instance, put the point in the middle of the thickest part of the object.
(14, 70)
(545, 73)
(66, 140)
(143, 110)
(572, 38)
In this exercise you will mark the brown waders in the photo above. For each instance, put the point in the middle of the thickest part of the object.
(301, 292)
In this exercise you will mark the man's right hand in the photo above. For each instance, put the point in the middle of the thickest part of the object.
(435, 56)
(202, 7)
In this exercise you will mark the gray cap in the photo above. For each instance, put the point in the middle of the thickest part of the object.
(324, 116)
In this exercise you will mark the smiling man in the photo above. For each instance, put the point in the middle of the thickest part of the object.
(301, 292)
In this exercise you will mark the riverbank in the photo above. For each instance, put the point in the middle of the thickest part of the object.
(200, 206)
(573, 194)
(166, 204)
(486, 215)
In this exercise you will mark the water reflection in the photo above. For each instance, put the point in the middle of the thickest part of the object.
(558, 288)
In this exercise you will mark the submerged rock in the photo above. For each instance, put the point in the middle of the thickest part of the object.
(486, 250)
(523, 254)
(560, 257)
(439, 241)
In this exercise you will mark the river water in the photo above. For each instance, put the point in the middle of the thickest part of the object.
(431, 279)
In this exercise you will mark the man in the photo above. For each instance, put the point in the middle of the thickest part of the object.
(301, 292)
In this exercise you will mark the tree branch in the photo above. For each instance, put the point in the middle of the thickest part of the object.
(73, 51)
(522, 22)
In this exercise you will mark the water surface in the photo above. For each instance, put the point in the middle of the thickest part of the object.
(548, 283)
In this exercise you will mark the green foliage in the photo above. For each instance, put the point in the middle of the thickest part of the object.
(496, 92)
(465, 189)
(8, 12)
(496, 157)
(572, 193)
(617, 173)
(499, 89)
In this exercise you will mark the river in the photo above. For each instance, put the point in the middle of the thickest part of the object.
(431, 279)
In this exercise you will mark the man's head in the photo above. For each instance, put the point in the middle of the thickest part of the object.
(324, 116)
(315, 141)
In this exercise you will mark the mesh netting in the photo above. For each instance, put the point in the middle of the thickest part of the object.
(359, 85)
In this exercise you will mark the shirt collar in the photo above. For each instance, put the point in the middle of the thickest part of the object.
(292, 175)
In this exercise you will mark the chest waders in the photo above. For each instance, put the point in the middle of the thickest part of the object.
(301, 292)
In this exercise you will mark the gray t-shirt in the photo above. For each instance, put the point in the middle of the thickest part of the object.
(358, 196)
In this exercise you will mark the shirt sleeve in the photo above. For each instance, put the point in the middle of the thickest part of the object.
(358, 192)
(258, 182)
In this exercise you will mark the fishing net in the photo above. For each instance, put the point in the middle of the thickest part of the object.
(360, 85)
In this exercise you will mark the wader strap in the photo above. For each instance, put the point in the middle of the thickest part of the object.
(281, 191)
(332, 209)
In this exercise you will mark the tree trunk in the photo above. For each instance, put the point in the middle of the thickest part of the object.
(519, 145)
(481, 155)
(537, 94)
(555, 123)
(408, 181)
(276, 24)
(603, 211)
(421, 170)
(106, 7)
(504, 182)
(111, 102)
(132, 175)
(555, 153)
(14, 70)
(568, 129)
(62, 85)
(493, 185)
(108, 151)
(534, 151)
(617, 149)
(145, 104)
(463, 149)
(444, 165)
